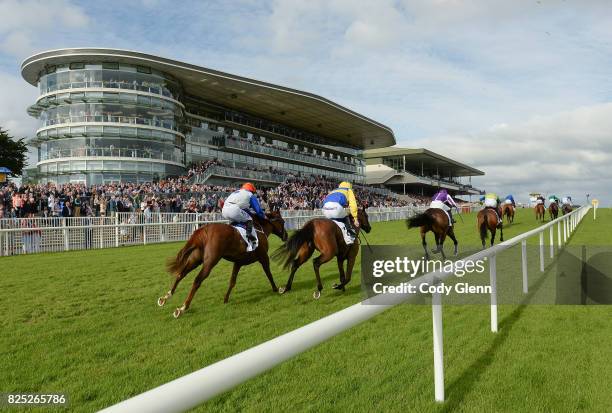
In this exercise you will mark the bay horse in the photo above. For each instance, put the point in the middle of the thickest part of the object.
(323, 235)
(567, 208)
(435, 220)
(487, 220)
(211, 242)
(553, 210)
(539, 212)
(508, 212)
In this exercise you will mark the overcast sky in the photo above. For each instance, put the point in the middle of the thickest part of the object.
(519, 89)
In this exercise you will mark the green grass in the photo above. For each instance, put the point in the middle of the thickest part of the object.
(86, 323)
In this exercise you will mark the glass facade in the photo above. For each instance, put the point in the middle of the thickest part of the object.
(111, 122)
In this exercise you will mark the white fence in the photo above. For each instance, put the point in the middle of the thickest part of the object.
(34, 235)
(195, 388)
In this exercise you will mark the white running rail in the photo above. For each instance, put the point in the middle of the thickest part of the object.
(193, 389)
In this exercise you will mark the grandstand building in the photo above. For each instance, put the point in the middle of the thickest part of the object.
(109, 116)
(418, 171)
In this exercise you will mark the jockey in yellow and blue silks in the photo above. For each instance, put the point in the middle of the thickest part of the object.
(335, 203)
(510, 200)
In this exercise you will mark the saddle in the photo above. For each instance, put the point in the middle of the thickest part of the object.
(499, 221)
(241, 228)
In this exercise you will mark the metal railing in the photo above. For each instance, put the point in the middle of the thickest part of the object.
(149, 88)
(238, 173)
(112, 152)
(34, 235)
(193, 389)
(131, 120)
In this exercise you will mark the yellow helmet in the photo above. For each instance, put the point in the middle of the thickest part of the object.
(346, 185)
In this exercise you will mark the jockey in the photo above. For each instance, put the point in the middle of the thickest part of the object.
(553, 198)
(492, 201)
(238, 206)
(443, 200)
(541, 200)
(510, 200)
(335, 202)
(567, 200)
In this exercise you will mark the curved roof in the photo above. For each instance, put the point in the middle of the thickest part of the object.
(279, 104)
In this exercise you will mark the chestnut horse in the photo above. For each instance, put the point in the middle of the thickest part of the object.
(553, 210)
(211, 242)
(567, 208)
(487, 220)
(508, 212)
(539, 212)
(435, 220)
(323, 235)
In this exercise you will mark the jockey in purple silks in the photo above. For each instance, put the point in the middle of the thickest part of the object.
(444, 201)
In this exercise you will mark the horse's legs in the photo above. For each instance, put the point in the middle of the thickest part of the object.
(351, 258)
(265, 264)
(232, 281)
(451, 234)
(326, 255)
(202, 275)
(161, 301)
(424, 242)
(303, 255)
(340, 286)
(501, 234)
(493, 236)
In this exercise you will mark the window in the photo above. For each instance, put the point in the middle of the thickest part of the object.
(143, 69)
(109, 65)
(74, 66)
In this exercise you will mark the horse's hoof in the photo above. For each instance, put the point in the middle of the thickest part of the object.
(281, 290)
(161, 301)
(316, 295)
(178, 312)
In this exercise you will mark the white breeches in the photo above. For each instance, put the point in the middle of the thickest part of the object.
(234, 213)
(490, 202)
(334, 210)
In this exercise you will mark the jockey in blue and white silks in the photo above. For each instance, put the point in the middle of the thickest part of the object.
(510, 200)
(443, 200)
(238, 205)
(567, 200)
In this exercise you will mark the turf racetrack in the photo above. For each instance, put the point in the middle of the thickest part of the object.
(86, 323)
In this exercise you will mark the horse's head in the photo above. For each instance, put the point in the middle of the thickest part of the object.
(278, 224)
(364, 222)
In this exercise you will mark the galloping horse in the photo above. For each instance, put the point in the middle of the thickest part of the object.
(567, 208)
(487, 220)
(539, 212)
(435, 220)
(326, 237)
(211, 242)
(553, 210)
(508, 212)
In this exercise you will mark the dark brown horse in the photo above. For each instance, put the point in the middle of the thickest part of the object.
(539, 212)
(508, 212)
(436, 221)
(325, 236)
(553, 210)
(487, 220)
(567, 208)
(211, 242)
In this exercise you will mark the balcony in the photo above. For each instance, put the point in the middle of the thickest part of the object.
(239, 173)
(111, 152)
(141, 87)
(112, 118)
(277, 154)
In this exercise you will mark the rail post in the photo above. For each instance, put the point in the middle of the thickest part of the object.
(438, 346)
(493, 282)
(524, 262)
(144, 234)
(65, 231)
(565, 230)
(116, 230)
(552, 242)
(542, 251)
(559, 234)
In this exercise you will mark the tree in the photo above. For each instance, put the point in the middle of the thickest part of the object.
(13, 153)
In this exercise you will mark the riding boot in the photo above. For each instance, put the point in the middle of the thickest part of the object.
(249, 230)
(450, 214)
(349, 226)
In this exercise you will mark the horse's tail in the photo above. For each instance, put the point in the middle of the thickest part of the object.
(183, 259)
(420, 220)
(483, 225)
(288, 252)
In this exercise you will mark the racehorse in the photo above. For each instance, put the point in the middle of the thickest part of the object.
(211, 242)
(435, 220)
(553, 210)
(487, 220)
(567, 208)
(326, 237)
(508, 212)
(539, 212)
